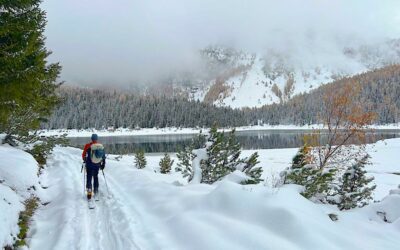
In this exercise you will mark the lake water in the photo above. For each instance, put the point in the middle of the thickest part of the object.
(260, 139)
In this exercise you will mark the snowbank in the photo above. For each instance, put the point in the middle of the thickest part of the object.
(385, 166)
(149, 210)
(18, 176)
(232, 216)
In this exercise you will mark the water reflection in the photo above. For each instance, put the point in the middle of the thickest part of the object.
(248, 139)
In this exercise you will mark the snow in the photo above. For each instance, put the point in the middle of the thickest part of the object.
(18, 173)
(13, 163)
(149, 210)
(10, 206)
(385, 166)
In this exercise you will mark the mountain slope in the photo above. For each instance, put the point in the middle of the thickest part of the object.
(253, 80)
(380, 91)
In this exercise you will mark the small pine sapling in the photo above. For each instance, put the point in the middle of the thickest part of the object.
(166, 164)
(198, 141)
(213, 167)
(223, 158)
(297, 174)
(250, 170)
(316, 181)
(140, 159)
(185, 158)
(356, 189)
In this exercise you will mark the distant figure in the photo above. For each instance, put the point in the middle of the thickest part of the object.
(94, 158)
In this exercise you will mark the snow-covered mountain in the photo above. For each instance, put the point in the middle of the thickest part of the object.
(240, 79)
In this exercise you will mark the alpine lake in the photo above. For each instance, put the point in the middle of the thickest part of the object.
(255, 139)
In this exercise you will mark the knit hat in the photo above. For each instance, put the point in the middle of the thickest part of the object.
(94, 137)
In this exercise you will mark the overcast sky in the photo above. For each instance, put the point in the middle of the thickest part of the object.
(122, 41)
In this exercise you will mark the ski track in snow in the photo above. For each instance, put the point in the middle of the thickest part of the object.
(108, 226)
(149, 211)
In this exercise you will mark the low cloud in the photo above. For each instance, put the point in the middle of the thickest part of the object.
(130, 41)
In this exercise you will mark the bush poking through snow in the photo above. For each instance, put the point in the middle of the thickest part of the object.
(140, 159)
(185, 158)
(355, 187)
(25, 216)
(166, 164)
(42, 149)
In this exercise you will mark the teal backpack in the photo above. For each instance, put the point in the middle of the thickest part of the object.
(97, 153)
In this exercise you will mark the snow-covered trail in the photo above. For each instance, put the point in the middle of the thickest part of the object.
(151, 211)
(67, 223)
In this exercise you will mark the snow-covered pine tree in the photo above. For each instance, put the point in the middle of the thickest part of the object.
(213, 167)
(140, 159)
(231, 151)
(296, 174)
(199, 141)
(316, 181)
(223, 152)
(250, 170)
(302, 157)
(356, 189)
(166, 164)
(185, 158)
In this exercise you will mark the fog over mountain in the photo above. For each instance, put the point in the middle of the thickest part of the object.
(129, 41)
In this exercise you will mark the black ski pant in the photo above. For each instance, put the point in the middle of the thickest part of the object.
(92, 172)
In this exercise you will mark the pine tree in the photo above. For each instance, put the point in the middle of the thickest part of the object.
(185, 158)
(198, 141)
(166, 164)
(223, 157)
(140, 159)
(213, 167)
(302, 157)
(231, 152)
(316, 181)
(296, 174)
(356, 189)
(27, 81)
(250, 170)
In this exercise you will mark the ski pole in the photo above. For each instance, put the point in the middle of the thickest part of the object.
(84, 180)
(105, 180)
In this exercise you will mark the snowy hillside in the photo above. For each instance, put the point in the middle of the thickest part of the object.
(18, 181)
(253, 80)
(149, 210)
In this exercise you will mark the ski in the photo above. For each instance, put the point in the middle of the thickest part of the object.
(91, 204)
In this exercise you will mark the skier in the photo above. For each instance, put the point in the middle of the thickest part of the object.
(94, 159)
